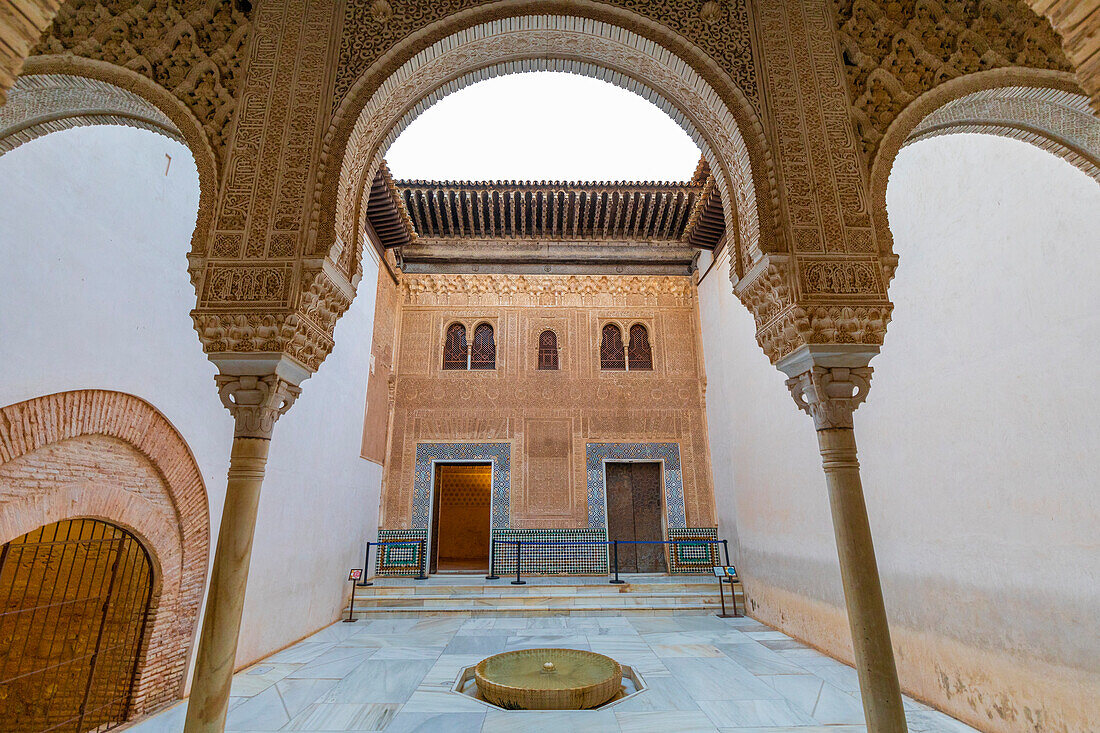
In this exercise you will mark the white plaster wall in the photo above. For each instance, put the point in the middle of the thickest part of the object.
(94, 293)
(978, 443)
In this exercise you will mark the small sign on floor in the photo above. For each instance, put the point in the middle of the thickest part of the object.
(727, 571)
(355, 574)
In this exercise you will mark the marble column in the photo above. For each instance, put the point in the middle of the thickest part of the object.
(829, 383)
(256, 403)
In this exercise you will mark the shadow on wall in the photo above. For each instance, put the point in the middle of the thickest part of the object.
(976, 445)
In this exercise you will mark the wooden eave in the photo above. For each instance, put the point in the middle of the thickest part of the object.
(707, 222)
(550, 210)
(387, 214)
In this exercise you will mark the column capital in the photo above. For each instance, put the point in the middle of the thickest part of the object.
(828, 382)
(256, 390)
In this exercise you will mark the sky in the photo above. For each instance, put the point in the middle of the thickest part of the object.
(543, 126)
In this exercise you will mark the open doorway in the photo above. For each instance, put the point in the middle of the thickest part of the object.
(634, 513)
(461, 502)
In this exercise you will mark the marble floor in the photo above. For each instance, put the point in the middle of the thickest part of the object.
(702, 673)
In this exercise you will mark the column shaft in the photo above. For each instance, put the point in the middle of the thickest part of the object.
(221, 625)
(874, 654)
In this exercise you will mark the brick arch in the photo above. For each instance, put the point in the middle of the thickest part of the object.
(113, 456)
(388, 97)
(61, 92)
(1044, 108)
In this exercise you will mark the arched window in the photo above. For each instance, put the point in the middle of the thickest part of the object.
(454, 347)
(548, 350)
(639, 353)
(484, 353)
(612, 353)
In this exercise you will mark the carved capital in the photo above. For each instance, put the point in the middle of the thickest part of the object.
(830, 396)
(828, 383)
(256, 402)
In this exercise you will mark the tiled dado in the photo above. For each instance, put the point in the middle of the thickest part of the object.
(404, 559)
(698, 558)
(428, 454)
(586, 559)
(668, 454)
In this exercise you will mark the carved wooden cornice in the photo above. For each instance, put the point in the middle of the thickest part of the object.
(539, 288)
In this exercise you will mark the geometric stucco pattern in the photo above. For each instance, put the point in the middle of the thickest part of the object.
(721, 29)
(593, 48)
(195, 50)
(818, 83)
(43, 103)
(895, 51)
(255, 293)
(1057, 121)
(830, 286)
(1078, 23)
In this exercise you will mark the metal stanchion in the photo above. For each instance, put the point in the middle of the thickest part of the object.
(616, 581)
(723, 597)
(423, 561)
(492, 560)
(726, 550)
(517, 581)
(351, 608)
(363, 582)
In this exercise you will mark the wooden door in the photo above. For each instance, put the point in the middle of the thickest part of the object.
(634, 513)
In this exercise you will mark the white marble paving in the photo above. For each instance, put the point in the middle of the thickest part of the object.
(703, 673)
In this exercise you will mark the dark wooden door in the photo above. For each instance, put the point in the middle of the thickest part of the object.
(634, 513)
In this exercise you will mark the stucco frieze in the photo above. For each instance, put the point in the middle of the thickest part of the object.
(197, 53)
(893, 54)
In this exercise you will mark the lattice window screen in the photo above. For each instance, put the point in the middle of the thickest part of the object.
(612, 353)
(548, 350)
(484, 353)
(640, 353)
(454, 347)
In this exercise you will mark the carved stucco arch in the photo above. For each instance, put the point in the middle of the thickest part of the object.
(381, 105)
(1044, 108)
(61, 92)
(178, 548)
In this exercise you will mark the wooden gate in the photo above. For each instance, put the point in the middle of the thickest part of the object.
(74, 606)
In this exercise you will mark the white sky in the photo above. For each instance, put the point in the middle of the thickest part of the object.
(543, 126)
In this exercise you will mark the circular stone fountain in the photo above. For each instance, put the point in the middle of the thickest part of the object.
(548, 679)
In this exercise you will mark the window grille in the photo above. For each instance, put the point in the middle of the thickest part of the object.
(454, 347)
(640, 353)
(484, 353)
(612, 353)
(548, 350)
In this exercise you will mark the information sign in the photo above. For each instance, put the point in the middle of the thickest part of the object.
(355, 574)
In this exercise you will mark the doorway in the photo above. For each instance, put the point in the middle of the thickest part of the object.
(461, 502)
(74, 601)
(634, 513)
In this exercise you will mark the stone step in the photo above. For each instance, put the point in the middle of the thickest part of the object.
(582, 610)
(522, 592)
(500, 597)
(534, 588)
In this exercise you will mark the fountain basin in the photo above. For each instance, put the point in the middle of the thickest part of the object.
(548, 679)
